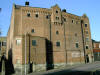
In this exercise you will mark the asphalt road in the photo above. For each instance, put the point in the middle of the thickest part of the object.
(84, 69)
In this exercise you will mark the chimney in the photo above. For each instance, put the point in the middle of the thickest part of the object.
(26, 3)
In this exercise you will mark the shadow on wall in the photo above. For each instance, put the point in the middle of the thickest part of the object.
(49, 55)
(8, 64)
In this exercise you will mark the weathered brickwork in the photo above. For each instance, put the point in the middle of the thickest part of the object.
(3, 41)
(51, 37)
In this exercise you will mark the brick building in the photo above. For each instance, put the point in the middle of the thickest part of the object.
(96, 50)
(2, 46)
(48, 38)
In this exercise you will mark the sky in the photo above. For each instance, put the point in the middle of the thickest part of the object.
(77, 7)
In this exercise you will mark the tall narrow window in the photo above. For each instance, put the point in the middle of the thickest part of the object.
(72, 21)
(57, 44)
(36, 15)
(85, 25)
(33, 42)
(64, 19)
(32, 30)
(77, 46)
(28, 14)
(87, 47)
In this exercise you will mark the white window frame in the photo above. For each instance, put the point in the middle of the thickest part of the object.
(17, 41)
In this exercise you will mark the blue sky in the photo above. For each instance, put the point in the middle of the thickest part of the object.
(77, 7)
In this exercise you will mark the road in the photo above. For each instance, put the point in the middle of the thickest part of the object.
(84, 69)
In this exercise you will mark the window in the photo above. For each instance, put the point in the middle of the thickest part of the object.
(76, 34)
(18, 41)
(76, 22)
(58, 44)
(57, 32)
(33, 42)
(18, 61)
(28, 14)
(47, 17)
(64, 19)
(87, 38)
(4, 43)
(72, 21)
(87, 47)
(32, 30)
(86, 32)
(77, 45)
(57, 18)
(85, 25)
(56, 11)
(36, 15)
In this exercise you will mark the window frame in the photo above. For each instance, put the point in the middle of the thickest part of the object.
(18, 42)
(77, 44)
(36, 15)
(57, 32)
(58, 44)
(86, 47)
(86, 25)
(28, 15)
(34, 43)
(32, 30)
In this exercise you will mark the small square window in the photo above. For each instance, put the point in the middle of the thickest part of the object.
(85, 25)
(36, 15)
(77, 45)
(33, 42)
(87, 47)
(58, 44)
(28, 14)
(57, 32)
(32, 30)
(18, 41)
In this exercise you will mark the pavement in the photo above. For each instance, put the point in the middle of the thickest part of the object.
(84, 69)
